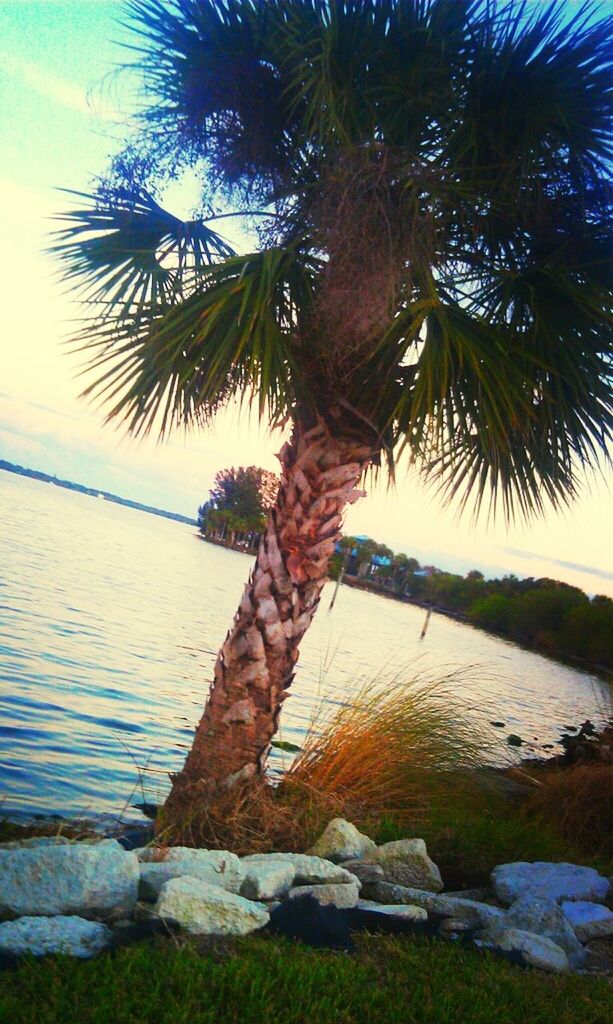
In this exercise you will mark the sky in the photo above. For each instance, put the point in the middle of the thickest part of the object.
(63, 110)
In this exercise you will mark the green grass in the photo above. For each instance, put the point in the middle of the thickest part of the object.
(468, 837)
(259, 979)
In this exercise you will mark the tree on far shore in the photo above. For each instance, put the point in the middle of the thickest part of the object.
(238, 504)
(426, 187)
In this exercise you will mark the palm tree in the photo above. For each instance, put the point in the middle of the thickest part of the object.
(426, 180)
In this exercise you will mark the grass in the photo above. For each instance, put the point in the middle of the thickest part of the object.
(391, 750)
(580, 801)
(248, 981)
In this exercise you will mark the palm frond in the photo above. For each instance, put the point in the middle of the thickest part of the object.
(234, 336)
(124, 249)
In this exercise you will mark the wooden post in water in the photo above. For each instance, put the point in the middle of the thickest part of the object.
(425, 625)
(338, 583)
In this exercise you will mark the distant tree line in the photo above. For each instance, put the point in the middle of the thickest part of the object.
(543, 613)
(239, 500)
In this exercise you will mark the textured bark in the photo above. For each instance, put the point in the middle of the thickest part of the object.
(255, 666)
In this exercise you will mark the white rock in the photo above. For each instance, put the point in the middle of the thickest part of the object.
(154, 876)
(589, 920)
(309, 870)
(268, 881)
(542, 917)
(339, 895)
(80, 878)
(397, 910)
(341, 840)
(42, 935)
(469, 912)
(406, 862)
(217, 867)
(551, 881)
(208, 910)
(536, 949)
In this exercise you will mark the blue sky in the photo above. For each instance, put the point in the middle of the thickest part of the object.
(62, 103)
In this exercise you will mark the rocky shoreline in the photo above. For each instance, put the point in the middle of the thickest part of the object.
(82, 897)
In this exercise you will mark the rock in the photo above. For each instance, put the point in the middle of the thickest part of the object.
(40, 936)
(305, 920)
(454, 926)
(340, 895)
(340, 841)
(204, 909)
(79, 878)
(481, 895)
(536, 949)
(366, 873)
(542, 917)
(400, 911)
(309, 870)
(216, 867)
(589, 920)
(551, 881)
(514, 740)
(470, 912)
(406, 862)
(268, 881)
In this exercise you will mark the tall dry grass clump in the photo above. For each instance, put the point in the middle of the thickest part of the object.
(578, 803)
(394, 751)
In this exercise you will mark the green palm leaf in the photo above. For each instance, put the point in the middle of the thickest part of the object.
(125, 250)
(168, 364)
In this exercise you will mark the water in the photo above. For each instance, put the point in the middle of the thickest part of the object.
(110, 621)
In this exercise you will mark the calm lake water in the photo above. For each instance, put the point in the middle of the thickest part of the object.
(110, 620)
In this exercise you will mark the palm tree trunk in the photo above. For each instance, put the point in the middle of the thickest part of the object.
(255, 666)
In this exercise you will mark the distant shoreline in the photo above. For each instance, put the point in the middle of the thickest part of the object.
(448, 613)
(350, 581)
(366, 585)
(93, 492)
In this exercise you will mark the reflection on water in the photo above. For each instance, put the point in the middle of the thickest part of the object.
(109, 624)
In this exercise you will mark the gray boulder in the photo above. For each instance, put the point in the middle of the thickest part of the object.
(40, 936)
(366, 873)
(204, 909)
(542, 917)
(340, 841)
(589, 920)
(396, 910)
(309, 870)
(340, 895)
(468, 912)
(90, 880)
(217, 867)
(268, 880)
(550, 881)
(536, 949)
(406, 862)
